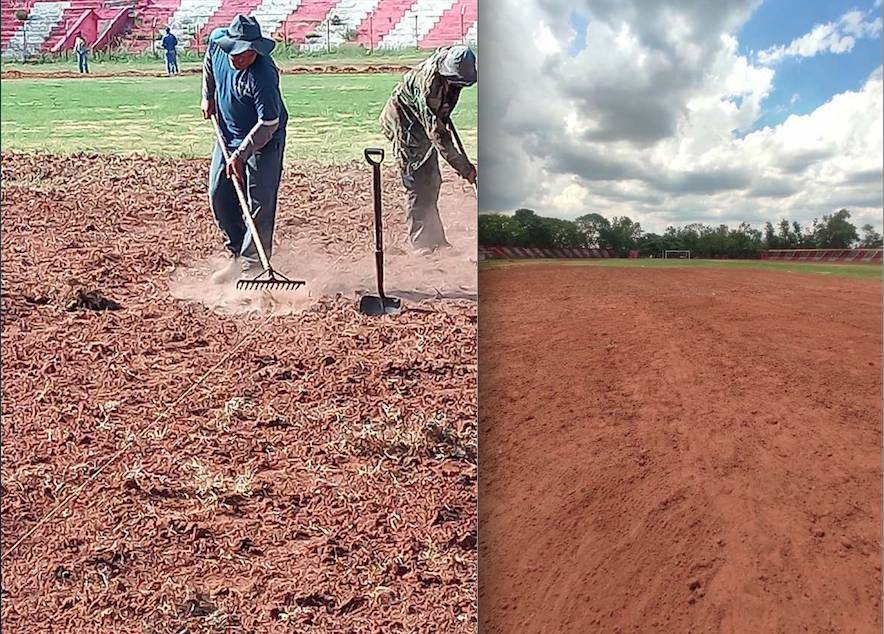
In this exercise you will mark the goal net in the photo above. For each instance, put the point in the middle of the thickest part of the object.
(673, 254)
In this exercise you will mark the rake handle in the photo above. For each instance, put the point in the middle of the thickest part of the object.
(461, 148)
(246, 214)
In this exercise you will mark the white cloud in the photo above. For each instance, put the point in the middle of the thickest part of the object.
(545, 40)
(653, 122)
(832, 37)
(571, 199)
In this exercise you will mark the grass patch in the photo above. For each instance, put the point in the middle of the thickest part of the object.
(859, 271)
(400, 436)
(331, 117)
(284, 56)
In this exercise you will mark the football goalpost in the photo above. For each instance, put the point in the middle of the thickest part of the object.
(676, 254)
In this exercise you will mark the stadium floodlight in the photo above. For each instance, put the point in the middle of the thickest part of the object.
(677, 254)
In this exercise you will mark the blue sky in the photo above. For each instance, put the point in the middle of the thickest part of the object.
(802, 83)
(578, 22)
(813, 79)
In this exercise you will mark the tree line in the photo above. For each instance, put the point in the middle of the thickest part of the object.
(621, 235)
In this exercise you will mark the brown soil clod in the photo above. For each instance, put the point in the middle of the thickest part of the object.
(90, 300)
(316, 601)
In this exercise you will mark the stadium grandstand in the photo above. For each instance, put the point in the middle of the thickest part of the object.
(32, 28)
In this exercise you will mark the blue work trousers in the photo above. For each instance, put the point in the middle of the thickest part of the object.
(263, 173)
(172, 62)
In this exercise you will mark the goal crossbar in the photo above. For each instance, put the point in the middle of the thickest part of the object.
(682, 254)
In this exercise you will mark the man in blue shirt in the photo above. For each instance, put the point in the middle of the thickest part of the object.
(241, 87)
(169, 43)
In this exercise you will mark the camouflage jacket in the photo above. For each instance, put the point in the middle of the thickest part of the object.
(415, 117)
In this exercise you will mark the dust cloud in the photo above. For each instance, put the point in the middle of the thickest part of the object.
(444, 275)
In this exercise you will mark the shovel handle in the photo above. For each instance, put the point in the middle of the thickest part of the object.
(461, 148)
(456, 137)
(374, 155)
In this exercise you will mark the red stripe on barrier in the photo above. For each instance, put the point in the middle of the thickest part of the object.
(494, 252)
(824, 255)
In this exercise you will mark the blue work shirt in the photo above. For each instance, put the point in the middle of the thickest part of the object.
(170, 42)
(242, 97)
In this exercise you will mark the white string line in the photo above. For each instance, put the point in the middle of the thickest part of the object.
(70, 498)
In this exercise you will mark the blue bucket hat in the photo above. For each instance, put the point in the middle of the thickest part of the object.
(244, 34)
(459, 65)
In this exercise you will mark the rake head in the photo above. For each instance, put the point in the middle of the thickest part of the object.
(267, 280)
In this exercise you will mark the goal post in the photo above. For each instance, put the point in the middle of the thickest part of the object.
(677, 254)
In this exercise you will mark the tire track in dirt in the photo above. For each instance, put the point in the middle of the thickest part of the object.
(651, 451)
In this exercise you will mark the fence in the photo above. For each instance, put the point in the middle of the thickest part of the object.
(524, 253)
(869, 256)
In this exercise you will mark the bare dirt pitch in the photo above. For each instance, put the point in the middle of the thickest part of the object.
(679, 450)
(323, 478)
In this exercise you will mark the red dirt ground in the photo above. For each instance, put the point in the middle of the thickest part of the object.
(333, 68)
(679, 450)
(323, 479)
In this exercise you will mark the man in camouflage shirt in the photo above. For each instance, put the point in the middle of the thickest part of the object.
(415, 120)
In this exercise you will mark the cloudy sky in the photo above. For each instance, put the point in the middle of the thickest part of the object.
(675, 111)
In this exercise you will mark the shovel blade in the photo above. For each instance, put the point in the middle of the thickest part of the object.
(375, 306)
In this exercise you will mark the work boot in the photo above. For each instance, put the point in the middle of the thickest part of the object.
(430, 249)
(228, 272)
(247, 265)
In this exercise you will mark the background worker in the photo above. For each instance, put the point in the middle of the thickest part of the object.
(82, 50)
(415, 119)
(241, 87)
(169, 43)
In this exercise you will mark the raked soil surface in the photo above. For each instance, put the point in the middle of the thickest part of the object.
(681, 450)
(178, 456)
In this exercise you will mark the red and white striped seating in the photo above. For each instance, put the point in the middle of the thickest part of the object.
(312, 24)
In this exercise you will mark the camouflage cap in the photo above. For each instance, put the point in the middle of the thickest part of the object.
(459, 65)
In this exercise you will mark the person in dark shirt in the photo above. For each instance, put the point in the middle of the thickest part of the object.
(241, 87)
(170, 42)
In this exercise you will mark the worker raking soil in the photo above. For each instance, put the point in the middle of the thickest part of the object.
(417, 120)
(241, 94)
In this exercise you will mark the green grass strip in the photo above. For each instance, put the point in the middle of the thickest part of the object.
(331, 117)
(858, 271)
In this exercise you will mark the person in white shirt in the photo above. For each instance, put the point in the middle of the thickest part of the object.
(81, 49)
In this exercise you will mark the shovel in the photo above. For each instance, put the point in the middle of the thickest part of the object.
(378, 304)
